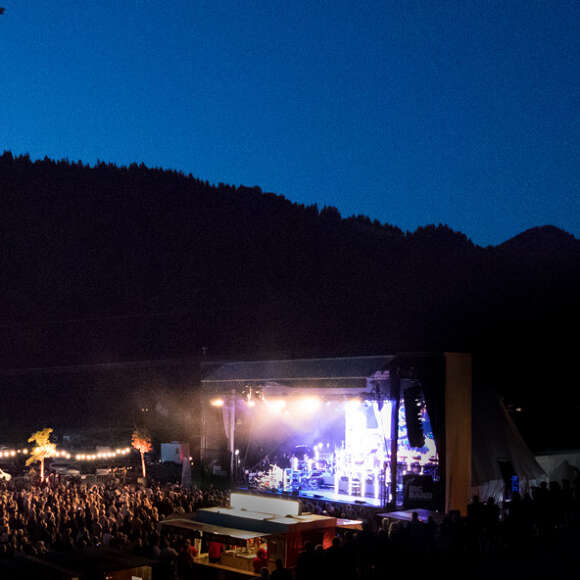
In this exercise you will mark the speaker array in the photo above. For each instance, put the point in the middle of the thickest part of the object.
(414, 403)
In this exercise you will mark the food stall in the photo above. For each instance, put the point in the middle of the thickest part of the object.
(245, 527)
(238, 547)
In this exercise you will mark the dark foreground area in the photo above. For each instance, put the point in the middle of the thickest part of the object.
(536, 536)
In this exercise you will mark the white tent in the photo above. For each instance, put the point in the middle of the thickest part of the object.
(560, 465)
(496, 441)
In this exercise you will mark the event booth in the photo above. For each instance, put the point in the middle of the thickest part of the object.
(276, 527)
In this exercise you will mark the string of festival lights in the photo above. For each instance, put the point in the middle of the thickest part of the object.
(119, 452)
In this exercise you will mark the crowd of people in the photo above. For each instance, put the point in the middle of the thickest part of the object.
(536, 529)
(63, 515)
(66, 514)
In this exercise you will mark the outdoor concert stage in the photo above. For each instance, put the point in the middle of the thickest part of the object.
(354, 430)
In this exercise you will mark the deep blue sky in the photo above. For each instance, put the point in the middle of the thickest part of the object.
(465, 113)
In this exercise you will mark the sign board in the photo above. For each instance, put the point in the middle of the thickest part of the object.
(417, 491)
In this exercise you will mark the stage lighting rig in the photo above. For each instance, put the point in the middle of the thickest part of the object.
(380, 390)
(251, 395)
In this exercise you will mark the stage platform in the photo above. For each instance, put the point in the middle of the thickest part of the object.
(407, 515)
(321, 495)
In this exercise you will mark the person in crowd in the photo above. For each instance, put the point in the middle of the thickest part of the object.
(215, 550)
(415, 531)
(306, 563)
(280, 573)
(185, 560)
(475, 514)
(260, 561)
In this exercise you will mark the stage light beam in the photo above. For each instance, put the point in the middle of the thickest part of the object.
(276, 405)
(309, 404)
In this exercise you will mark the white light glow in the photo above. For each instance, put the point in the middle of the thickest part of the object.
(353, 403)
(309, 404)
(275, 405)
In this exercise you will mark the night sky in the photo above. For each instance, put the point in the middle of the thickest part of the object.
(465, 113)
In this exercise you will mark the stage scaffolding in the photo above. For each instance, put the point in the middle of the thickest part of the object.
(369, 450)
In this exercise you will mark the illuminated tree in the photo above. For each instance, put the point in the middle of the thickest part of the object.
(43, 448)
(141, 441)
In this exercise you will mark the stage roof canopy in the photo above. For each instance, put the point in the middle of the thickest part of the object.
(345, 372)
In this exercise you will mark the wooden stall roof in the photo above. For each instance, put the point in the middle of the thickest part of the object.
(262, 522)
(221, 533)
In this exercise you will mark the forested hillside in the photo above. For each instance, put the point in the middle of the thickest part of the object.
(111, 263)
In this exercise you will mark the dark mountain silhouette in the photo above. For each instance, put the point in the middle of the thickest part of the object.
(542, 240)
(111, 263)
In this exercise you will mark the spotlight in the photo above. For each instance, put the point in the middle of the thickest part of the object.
(309, 403)
(217, 402)
(275, 405)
